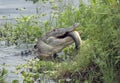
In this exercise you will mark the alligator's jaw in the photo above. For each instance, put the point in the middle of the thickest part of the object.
(54, 45)
(57, 32)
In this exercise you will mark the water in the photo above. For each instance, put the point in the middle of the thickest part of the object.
(7, 58)
(10, 9)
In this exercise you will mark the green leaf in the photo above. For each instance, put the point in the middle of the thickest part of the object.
(4, 71)
(15, 81)
(94, 1)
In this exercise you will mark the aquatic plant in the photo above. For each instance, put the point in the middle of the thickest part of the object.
(26, 30)
(3, 73)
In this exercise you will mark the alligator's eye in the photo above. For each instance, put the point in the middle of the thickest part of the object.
(54, 30)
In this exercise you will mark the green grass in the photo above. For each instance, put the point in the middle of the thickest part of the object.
(97, 60)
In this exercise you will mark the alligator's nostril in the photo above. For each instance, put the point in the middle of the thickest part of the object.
(53, 29)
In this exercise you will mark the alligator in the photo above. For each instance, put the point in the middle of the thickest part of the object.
(57, 39)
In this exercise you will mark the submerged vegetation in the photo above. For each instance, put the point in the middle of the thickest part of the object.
(98, 60)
